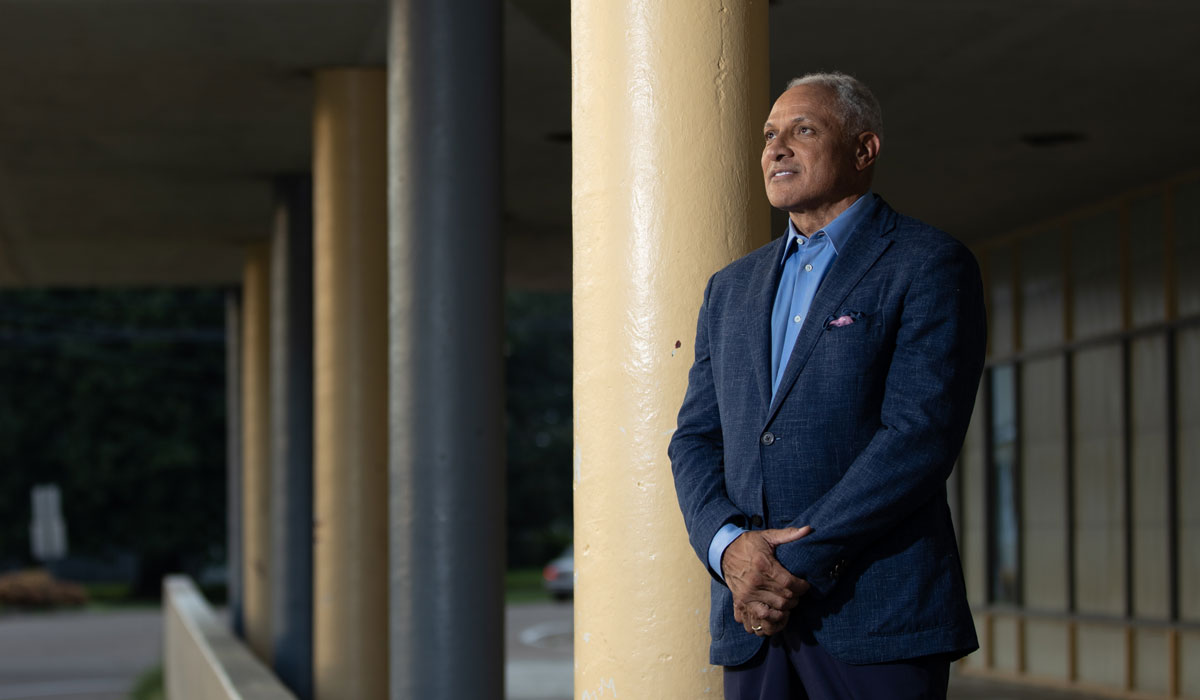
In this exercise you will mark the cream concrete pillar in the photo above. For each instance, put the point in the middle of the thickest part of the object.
(350, 548)
(256, 451)
(668, 100)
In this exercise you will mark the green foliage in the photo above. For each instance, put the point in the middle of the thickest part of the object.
(108, 594)
(524, 586)
(119, 397)
(538, 366)
(149, 686)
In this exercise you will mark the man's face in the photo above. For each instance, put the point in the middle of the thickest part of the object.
(808, 160)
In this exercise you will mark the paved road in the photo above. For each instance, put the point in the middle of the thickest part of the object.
(77, 655)
(99, 655)
(539, 647)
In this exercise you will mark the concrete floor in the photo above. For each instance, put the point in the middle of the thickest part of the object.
(540, 648)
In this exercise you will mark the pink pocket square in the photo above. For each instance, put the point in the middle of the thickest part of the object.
(841, 321)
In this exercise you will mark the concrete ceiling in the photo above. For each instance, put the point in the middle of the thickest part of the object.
(139, 138)
(1109, 87)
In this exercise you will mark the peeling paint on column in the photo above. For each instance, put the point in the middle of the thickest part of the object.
(606, 688)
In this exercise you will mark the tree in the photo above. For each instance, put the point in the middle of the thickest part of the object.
(117, 396)
(538, 380)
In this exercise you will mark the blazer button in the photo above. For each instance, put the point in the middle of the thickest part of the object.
(767, 438)
(837, 569)
(756, 521)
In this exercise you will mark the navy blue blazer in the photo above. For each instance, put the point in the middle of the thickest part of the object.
(867, 423)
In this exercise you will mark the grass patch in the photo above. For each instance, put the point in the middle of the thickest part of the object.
(115, 596)
(149, 686)
(524, 586)
(108, 593)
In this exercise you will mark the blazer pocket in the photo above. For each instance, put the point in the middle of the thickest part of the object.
(860, 337)
(844, 319)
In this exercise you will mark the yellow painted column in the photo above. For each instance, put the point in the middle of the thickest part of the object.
(256, 450)
(668, 101)
(350, 547)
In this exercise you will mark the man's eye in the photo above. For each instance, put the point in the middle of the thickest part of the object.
(767, 136)
(805, 130)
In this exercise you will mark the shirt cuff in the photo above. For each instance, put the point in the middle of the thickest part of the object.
(716, 549)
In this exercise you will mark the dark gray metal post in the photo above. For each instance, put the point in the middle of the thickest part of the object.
(292, 435)
(233, 457)
(1173, 495)
(446, 436)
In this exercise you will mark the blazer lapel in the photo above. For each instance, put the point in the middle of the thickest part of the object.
(866, 244)
(762, 301)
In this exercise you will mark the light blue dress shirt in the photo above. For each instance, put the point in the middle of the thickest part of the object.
(806, 261)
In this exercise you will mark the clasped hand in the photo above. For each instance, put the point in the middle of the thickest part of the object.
(764, 592)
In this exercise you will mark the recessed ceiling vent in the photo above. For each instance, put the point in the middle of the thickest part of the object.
(1052, 139)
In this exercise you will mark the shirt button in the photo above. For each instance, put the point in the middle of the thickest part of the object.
(797, 319)
(808, 268)
(767, 438)
(802, 241)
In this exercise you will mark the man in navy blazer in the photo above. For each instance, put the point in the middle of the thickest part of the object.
(835, 373)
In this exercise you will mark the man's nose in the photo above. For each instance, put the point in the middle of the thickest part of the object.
(778, 150)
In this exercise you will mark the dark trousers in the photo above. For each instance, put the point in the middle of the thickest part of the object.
(792, 666)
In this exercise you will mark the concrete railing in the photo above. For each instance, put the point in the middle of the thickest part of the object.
(203, 659)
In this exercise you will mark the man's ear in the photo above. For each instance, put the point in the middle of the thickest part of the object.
(866, 150)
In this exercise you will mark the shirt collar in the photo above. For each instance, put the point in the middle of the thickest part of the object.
(842, 226)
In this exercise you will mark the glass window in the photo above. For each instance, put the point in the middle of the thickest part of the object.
(1189, 473)
(1005, 537)
(1096, 274)
(1043, 485)
(1148, 442)
(972, 520)
(1186, 210)
(1000, 301)
(1099, 481)
(1042, 290)
(1147, 237)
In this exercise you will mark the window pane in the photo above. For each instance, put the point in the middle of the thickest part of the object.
(1041, 290)
(1043, 485)
(1149, 449)
(1000, 298)
(1004, 544)
(1146, 245)
(1186, 210)
(972, 519)
(1099, 492)
(1189, 473)
(1096, 274)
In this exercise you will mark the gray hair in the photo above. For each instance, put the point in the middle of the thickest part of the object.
(856, 106)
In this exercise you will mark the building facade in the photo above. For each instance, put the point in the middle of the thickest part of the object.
(1078, 490)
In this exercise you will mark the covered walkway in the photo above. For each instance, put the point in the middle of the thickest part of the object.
(367, 177)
